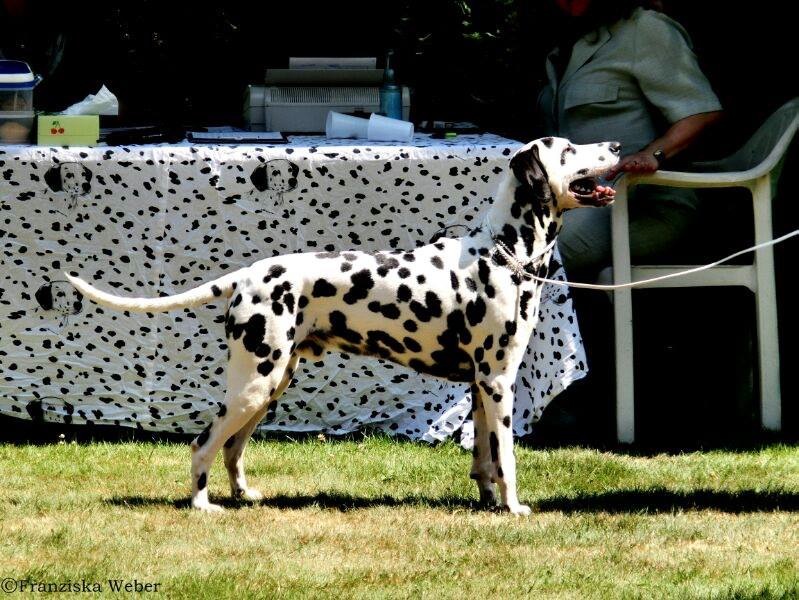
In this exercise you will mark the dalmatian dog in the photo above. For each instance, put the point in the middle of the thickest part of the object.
(460, 308)
(71, 178)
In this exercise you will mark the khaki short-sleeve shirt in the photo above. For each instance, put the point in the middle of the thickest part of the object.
(626, 83)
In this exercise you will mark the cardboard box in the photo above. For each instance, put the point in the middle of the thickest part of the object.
(68, 130)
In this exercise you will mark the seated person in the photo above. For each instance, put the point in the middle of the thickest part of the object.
(632, 77)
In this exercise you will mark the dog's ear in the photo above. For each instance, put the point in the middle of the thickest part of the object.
(53, 178)
(527, 167)
(260, 179)
(44, 296)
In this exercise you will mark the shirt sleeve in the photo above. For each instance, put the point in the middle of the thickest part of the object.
(667, 69)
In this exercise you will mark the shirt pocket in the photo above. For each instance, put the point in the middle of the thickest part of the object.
(590, 93)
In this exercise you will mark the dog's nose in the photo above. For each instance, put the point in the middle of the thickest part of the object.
(615, 147)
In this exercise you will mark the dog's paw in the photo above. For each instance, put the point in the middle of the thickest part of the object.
(520, 510)
(207, 507)
(250, 495)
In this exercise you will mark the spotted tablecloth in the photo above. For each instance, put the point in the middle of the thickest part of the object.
(160, 219)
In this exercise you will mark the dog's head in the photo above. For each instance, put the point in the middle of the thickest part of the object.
(566, 175)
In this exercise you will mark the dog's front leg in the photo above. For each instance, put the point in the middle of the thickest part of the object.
(498, 404)
(482, 469)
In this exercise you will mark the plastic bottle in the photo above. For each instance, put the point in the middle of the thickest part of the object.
(390, 92)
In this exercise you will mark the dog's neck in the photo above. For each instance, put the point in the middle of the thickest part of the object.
(524, 222)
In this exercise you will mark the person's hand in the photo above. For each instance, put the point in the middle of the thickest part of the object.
(640, 162)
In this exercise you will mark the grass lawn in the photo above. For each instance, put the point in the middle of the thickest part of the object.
(380, 518)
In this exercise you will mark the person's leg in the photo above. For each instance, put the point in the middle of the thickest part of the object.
(656, 231)
(584, 242)
(659, 220)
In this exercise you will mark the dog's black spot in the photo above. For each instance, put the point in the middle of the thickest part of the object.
(254, 331)
(506, 421)
(323, 289)
(338, 327)
(475, 311)
(411, 344)
(265, 368)
(362, 282)
(376, 339)
(437, 262)
(390, 311)
(410, 325)
(523, 303)
(493, 442)
(216, 291)
(431, 308)
(274, 272)
(404, 293)
(203, 437)
(288, 300)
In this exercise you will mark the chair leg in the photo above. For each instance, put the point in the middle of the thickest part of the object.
(623, 318)
(625, 380)
(766, 307)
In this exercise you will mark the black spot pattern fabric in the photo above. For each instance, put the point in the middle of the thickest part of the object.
(155, 220)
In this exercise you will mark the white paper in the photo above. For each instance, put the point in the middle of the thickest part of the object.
(104, 102)
(332, 63)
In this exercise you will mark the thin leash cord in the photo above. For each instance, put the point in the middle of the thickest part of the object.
(596, 286)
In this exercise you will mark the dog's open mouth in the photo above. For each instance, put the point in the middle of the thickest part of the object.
(588, 190)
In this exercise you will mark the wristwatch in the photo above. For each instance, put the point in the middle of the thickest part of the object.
(660, 156)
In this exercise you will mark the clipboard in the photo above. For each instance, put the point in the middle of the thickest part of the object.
(237, 137)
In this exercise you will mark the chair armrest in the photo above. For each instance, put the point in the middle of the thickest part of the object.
(696, 180)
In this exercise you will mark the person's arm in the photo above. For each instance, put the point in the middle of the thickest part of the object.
(677, 138)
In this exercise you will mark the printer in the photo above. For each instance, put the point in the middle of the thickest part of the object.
(297, 99)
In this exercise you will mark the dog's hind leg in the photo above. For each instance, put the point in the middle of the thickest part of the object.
(482, 469)
(233, 450)
(498, 405)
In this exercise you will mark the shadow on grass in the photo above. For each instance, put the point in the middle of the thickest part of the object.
(662, 500)
(651, 501)
(334, 501)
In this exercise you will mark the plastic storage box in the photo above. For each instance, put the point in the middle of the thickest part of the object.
(16, 101)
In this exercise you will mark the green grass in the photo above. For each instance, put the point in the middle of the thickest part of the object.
(386, 519)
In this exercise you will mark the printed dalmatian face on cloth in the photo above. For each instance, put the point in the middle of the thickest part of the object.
(61, 297)
(277, 175)
(71, 178)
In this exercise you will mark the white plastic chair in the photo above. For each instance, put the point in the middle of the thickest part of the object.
(756, 167)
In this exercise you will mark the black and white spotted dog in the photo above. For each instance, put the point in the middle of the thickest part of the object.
(461, 309)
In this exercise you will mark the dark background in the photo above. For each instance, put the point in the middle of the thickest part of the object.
(187, 64)
(479, 60)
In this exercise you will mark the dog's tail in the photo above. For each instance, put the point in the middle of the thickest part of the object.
(207, 292)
